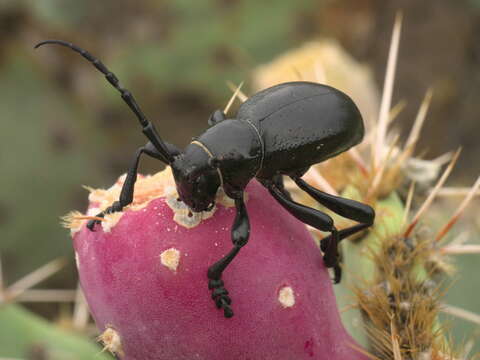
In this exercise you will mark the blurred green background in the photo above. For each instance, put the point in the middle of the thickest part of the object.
(62, 125)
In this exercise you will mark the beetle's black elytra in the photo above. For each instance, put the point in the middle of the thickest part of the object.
(282, 130)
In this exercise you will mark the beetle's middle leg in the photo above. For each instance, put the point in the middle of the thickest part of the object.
(312, 217)
(240, 234)
(126, 194)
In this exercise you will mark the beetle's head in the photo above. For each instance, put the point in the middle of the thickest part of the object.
(197, 181)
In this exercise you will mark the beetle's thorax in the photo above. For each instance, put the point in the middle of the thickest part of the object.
(237, 147)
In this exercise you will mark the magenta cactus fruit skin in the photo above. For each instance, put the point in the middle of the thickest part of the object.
(147, 279)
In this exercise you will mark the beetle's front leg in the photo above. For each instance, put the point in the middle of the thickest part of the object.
(240, 234)
(126, 194)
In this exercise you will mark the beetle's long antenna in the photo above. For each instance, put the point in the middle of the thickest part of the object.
(148, 128)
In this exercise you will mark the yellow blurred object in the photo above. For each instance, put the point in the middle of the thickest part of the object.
(324, 61)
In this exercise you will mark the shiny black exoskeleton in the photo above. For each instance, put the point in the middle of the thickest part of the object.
(279, 131)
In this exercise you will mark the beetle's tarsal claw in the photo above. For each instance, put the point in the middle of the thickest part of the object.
(116, 206)
(227, 312)
(220, 296)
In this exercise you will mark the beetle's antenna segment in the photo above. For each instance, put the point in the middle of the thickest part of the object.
(148, 128)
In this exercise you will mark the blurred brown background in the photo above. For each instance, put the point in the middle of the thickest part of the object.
(63, 126)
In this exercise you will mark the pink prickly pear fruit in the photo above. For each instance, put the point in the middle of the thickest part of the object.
(144, 275)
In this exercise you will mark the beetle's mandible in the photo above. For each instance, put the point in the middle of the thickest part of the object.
(280, 131)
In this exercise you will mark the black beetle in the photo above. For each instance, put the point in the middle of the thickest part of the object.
(282, 130)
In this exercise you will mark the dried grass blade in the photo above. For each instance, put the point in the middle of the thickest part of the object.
(396, 110)
(240, 94)
(408, 203)
(433, 194)
(419, 120)
(460, 249)
(460, 239)
(461, 313)
(35, 277)
(358, 161)
(232, 98)
(320, 181)
(397, 355)
(379, 173)
(81, 314)
(387, 91)
(44, 295)
(459, 211)
(443, 159)
(456, 191)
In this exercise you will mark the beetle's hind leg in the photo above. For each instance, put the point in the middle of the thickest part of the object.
(312, 217)
(126, 194)
(240, 234)
(347, 208)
